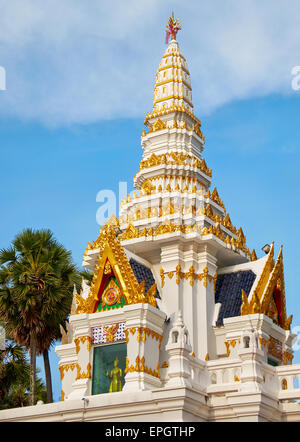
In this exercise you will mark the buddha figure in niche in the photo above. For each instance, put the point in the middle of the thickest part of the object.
(116, 376)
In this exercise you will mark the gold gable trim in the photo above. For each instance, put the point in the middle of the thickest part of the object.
(111, 249)
(277, 280)
(265, 275)
(271, 276)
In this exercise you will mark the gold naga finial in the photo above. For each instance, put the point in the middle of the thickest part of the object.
(172, 28)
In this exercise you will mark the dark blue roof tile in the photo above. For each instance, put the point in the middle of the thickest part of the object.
(229, 292)
(143, 273)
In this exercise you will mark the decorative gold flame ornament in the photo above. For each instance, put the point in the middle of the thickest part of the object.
(172, 28)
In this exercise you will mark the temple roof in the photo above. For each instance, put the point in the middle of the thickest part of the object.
(143, 273)
(229, 292)
(254, 287)
(112, 260)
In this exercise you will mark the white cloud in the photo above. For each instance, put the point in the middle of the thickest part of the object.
(76, 61)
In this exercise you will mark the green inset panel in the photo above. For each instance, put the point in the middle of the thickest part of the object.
(108, 359)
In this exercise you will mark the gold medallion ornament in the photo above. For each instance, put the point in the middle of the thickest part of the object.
(112, 294)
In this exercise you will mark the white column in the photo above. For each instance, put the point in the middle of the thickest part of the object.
(144, 332)
(205, 305)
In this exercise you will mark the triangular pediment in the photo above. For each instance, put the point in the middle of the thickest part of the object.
(114, 283)
(268, 296)
(273, 302)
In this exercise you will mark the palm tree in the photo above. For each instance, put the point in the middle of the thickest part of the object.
(14, 376)
(36, 290)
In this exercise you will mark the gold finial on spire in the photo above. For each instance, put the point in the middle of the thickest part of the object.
(172, 28)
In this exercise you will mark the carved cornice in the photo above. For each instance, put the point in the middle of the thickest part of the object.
(164, 110)
(178, 159)
(133, 232)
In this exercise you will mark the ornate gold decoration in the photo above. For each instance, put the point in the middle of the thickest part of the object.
(142, 332)
(141, 367)
(172, 27)
(181, 108)
(107, 268)
(262, 301)
(130, 233)
(162, 276)
(65, 367)
(205, 276)
(215, 281)
(147, 187)
(133, 232)
(164, 364)
(207, 357)
(276, 280)
(253, 256)
(170, 275)
(110, 248)
(245, 307)
(190, 275)
(62, 397)
(287, 358)
(84, 305)
(227, 347)
(82, 339)
(112, 294)
(175, 97)
(196, 129)
(236, 378)
(179, 274)
(85, 374)
(284, 384)
(158, 125)
(176, 158)
(226, 222)
(214, 196)
(264, 277)
(110, 332)
(126, 335)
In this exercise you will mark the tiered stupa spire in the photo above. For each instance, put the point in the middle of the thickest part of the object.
(173, 180)
(173, 83)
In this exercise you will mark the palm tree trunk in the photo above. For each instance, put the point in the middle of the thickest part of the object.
(32, 368)
(48, 376)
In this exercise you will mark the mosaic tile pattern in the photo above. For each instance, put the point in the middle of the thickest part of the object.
(108, 333)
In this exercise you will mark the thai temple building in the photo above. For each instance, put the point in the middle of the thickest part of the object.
(182, 322)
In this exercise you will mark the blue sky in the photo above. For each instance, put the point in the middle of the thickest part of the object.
(77, 94)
